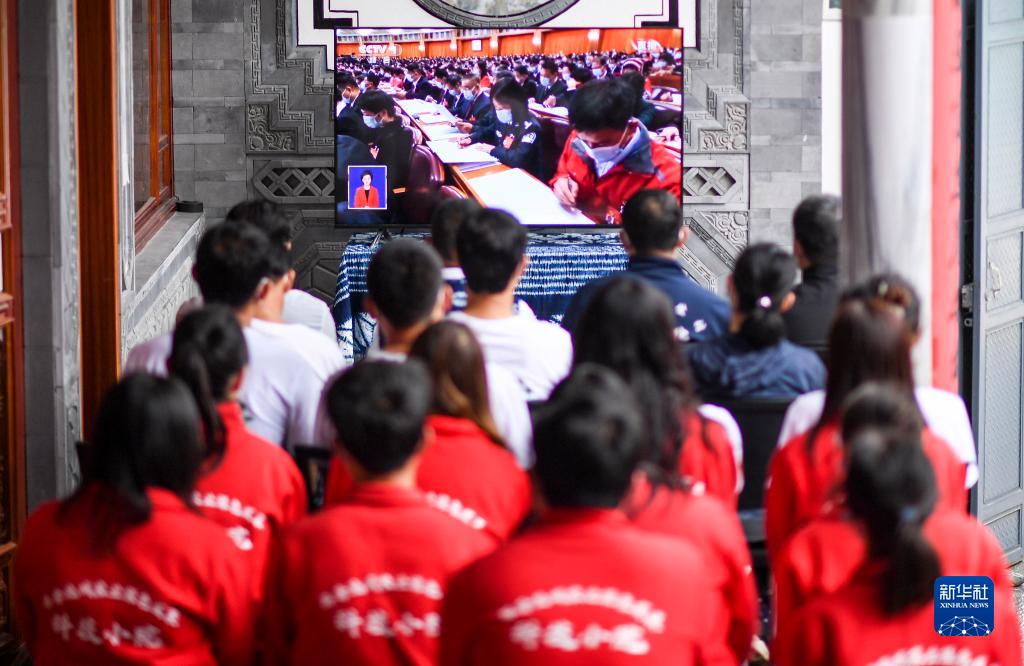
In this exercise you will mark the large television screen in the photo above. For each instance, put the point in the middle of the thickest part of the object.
(559, 127)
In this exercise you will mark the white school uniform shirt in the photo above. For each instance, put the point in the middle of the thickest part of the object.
(724, 418)
(301, 307)
(289, 365)
(944, 413)
(537, 353)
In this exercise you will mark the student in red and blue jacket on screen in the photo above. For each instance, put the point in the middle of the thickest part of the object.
(584, 586)
(362, 582)
(126, 571)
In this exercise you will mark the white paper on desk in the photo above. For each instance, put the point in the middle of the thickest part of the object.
(414, 106)
(452, 153)
(435, 132)
(529, 200)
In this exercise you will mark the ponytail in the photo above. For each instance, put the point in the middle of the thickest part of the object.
(764, 276)
(208, 353)
(890, 488)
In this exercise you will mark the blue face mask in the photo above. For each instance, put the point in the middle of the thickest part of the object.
(468, 95)
(371, 121)
(545, 81)
(504, 116)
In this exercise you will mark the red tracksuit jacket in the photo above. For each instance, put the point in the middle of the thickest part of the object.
(174, 590)
(708, 459)
(847, 627)
(362, 582)
(254, 491)
(465, 474)
(825, 554)
(716, 531)
(585, 587)
(803, 485)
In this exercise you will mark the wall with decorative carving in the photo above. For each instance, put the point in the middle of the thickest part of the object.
(752, 126)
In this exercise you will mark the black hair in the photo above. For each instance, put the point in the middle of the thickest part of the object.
(231, 261)
(448, 216)
(897, 291)
(549, 66)
(378, 410)
(376, 101)
(343, 81)
(652, 220)
(604, 104)
(508, 91)
(266, 215)
(373, 78)
(366, 173)
(415, 68)
(667, 57)
(763, 277)
(208, 351)
(453, 81)
(881, 405)
(890, 488)
(588, 440)
(629, 328)
(146, 436)
(491, 245)
(583, 75)
(816, 225)
(403, 281)
(635, 81)
(522, 69)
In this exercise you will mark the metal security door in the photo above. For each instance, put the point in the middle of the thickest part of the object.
(998, 347)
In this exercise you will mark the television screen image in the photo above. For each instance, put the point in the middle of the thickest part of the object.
(560, 127)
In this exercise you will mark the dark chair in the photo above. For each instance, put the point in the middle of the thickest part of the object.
(665, 117)
(450, 192)
(313, 462)
(422, 186)
(553, 134)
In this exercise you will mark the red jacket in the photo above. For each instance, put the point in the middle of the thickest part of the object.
(708, 459)
(585, 587)
(648, 166)
(465, 474)
(362, 582)
(174, 590)
(364, 199)
(716, 531)
(848, 626)
(803, 485)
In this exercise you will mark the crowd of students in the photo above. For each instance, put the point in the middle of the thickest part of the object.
(611, 153)
(460, 531)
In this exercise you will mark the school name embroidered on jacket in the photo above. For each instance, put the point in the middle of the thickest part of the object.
(127, 594)
(933, 656)
(378, 622)
(456, 509)
(380, 583)
(231, 505)
(87, 630)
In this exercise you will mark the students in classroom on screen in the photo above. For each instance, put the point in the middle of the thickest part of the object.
(238, 265)
(609, 155)
(589, 441)
(515, 136)
(125, 570)
(366, 195)
(887, 612)
(653, 232)
(754, 359)
(375, 599)
(492, 251)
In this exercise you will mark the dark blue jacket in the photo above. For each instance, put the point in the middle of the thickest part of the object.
(730, 367)
(700, 314)
(525, 151)
(474, 111)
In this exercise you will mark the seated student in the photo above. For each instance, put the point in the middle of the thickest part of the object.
(391, 142)
(371, 82)
(870, 344)
(585, 586)
(300, 307)
(238, 265)
(247, 484)
(375, 598)
(652, 233)
(754, 359)
(816, 247)
(579, 77)
(886, 613)
(492, 251)
(452, 92)
(609, 155)
(475, 106)
(599, 66)
(349, 121)
(418, 87)
(524, 78)
(943, 411)
(124, 570)
(515, 134)
(553, 89)
(643, 110)
(444, 224)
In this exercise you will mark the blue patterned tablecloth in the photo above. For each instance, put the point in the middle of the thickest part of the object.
(559, 265)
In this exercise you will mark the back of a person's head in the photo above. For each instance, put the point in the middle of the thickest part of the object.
(890, 488)
(895, 290)
(652, 220)
(602, 104)
(404, 281)
(455, 360)
(448, 216)
(491, 246)
(764, 276)
(880, 405)
(231, 262)
(816, 226)
(267, 215)
(868, 343)
(378, 410)
(208, 353)
(636, 81)
(588, 441)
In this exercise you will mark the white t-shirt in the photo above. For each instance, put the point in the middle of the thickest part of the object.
(944, 413)
(304, 308)
(724, 418)
(537, 353)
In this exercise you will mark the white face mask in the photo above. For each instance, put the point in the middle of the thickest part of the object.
(545, 81)
(371, 121)
(504, 116)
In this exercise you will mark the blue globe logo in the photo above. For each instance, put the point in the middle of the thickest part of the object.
(964, 626)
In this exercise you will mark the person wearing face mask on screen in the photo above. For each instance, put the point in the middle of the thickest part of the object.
(515, 134)
(553, 89)
(349, 120)
(391, 142)
(474, 108)
(609, 156)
